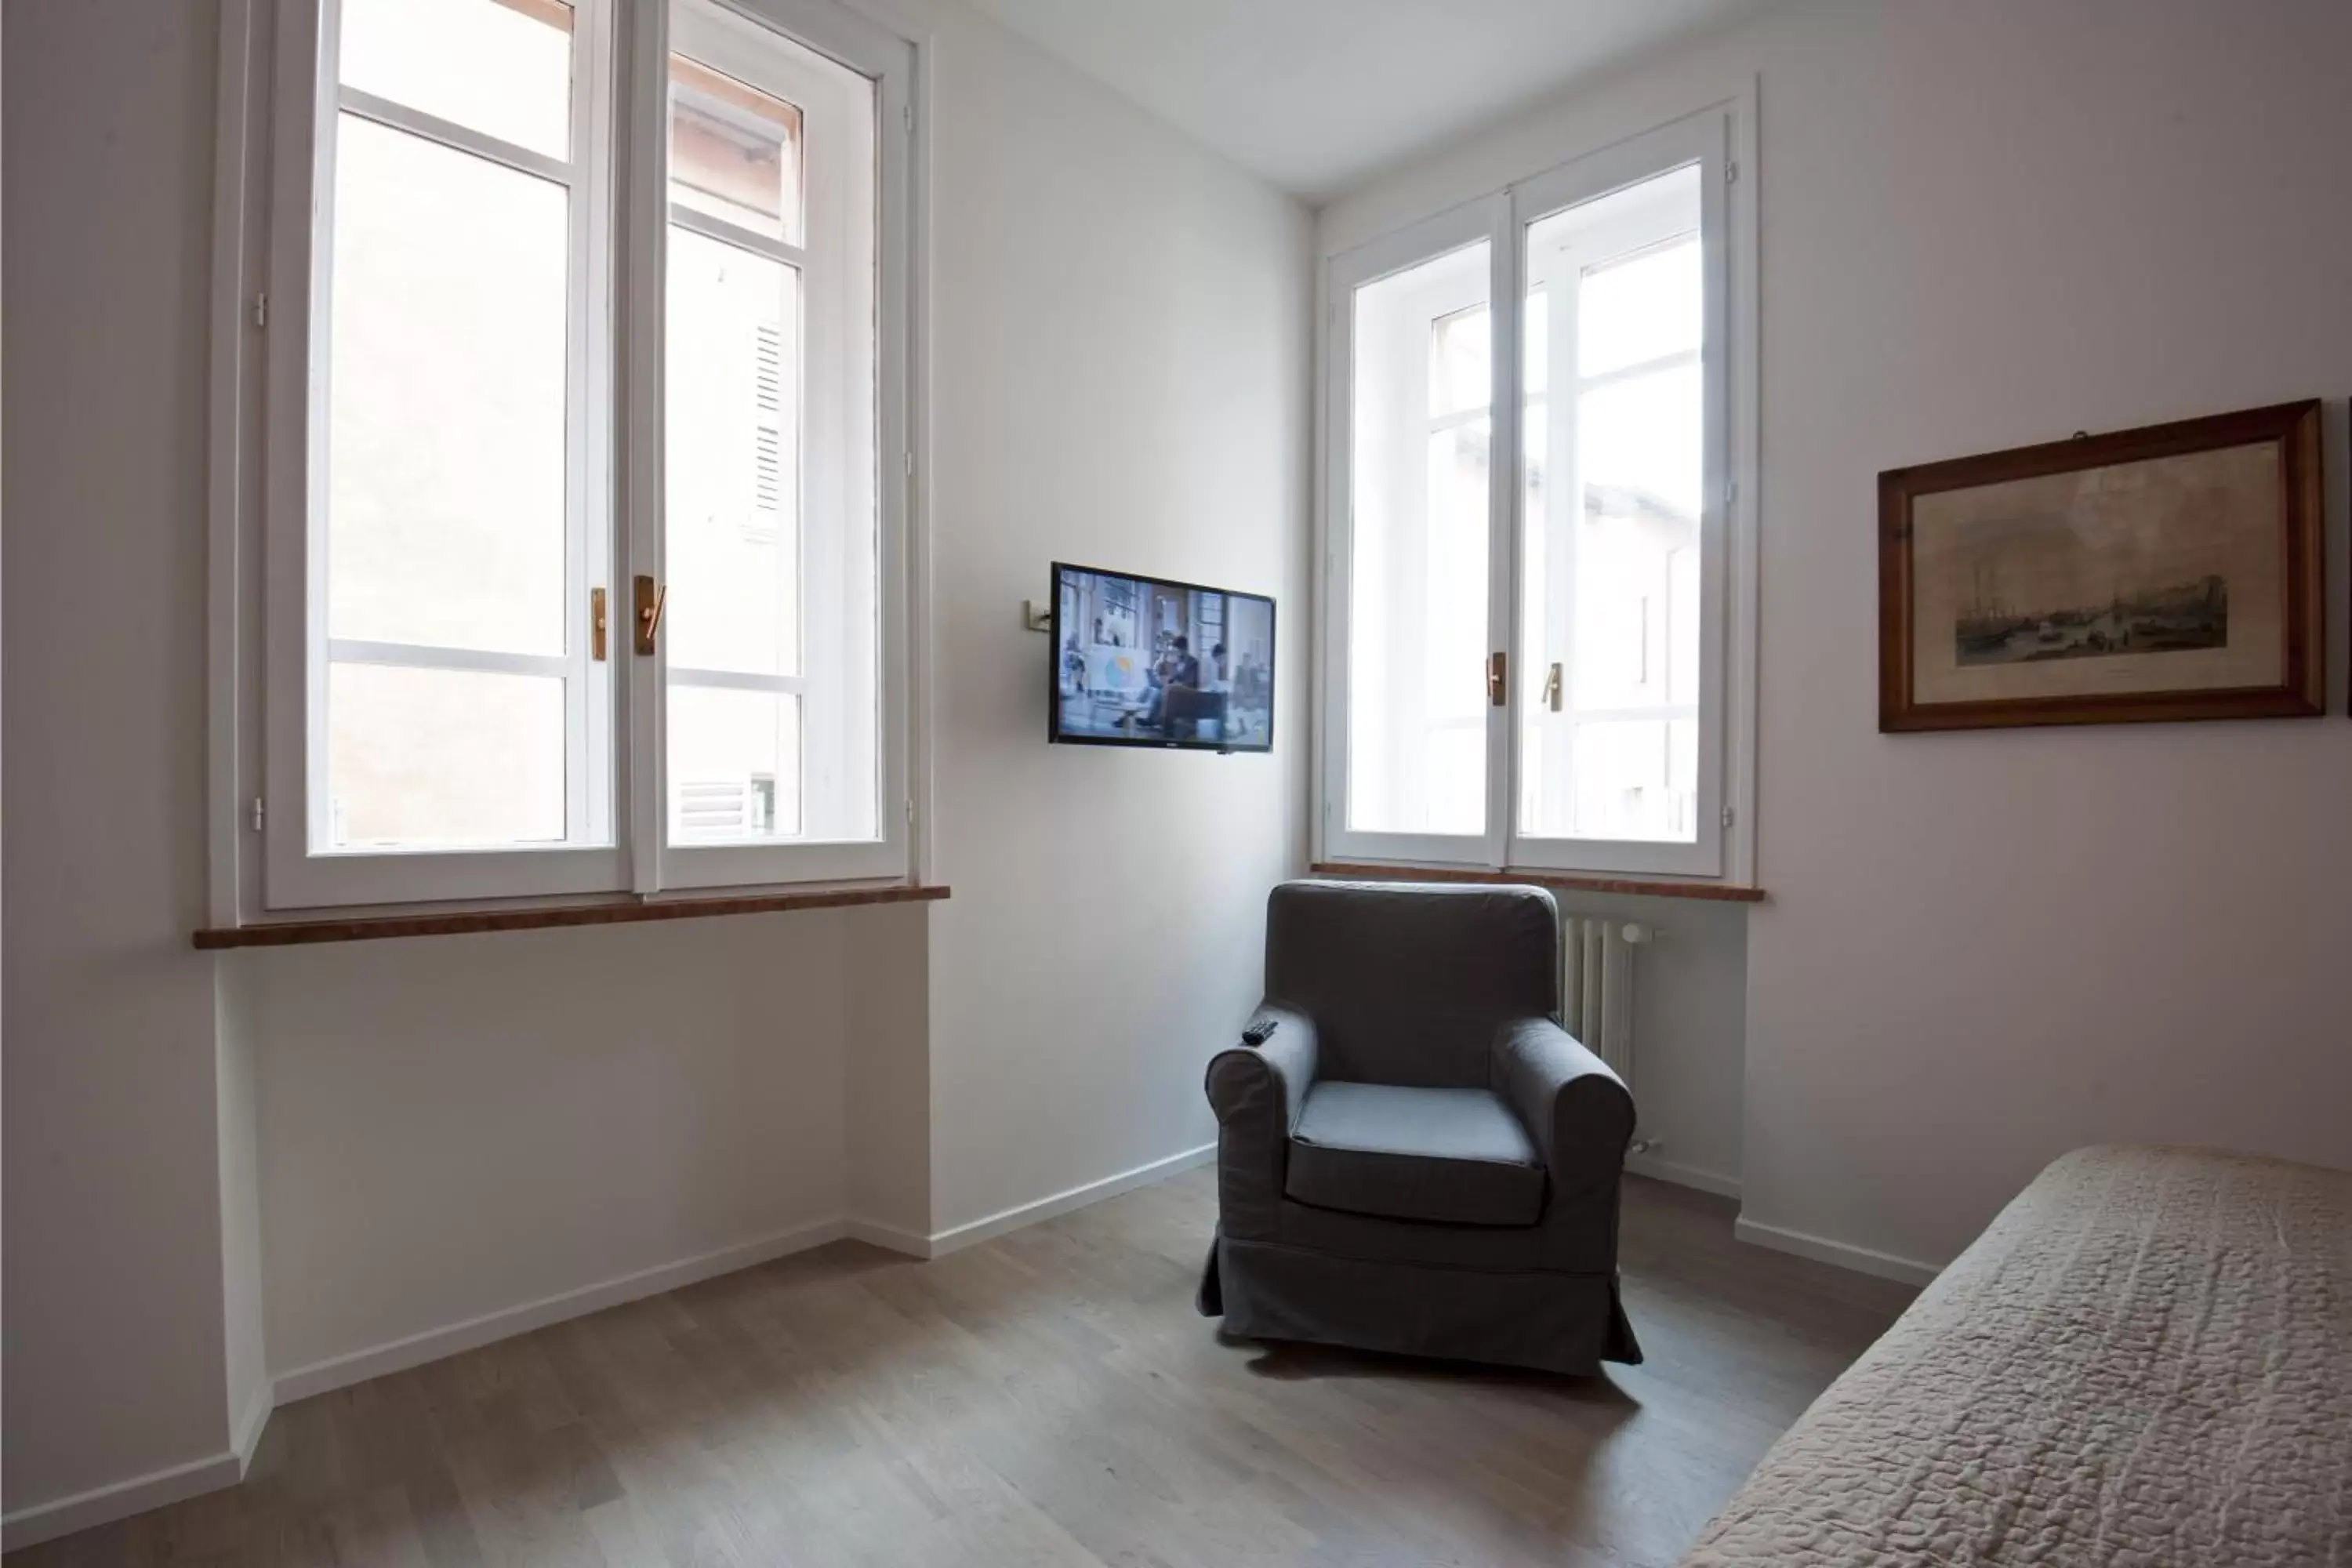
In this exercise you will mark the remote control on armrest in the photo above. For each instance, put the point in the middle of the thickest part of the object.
(1260, 1029)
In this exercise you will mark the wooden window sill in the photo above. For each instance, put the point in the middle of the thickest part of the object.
(613, 912)
(1558, 881)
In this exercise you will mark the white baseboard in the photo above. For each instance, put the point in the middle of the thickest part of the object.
(889, 1237)
(158, 1489)
(1683, 1175)
(957, 1238)
(104, 1505)
(1845, 1255)
(246, 1436)
(399, 1355)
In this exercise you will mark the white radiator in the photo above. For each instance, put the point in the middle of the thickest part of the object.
(1596, 1000)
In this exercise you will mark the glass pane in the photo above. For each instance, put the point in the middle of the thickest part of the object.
(734, 765)
(733, 469)
(1454, 599)
(1417, 582)
(1613, 475)
(436, 759)
(1682, 638)
(446, 398)
(1643, 309)
(499, 67)
(1635, 778)
(772, 516)
(1640, 438)
(734, 151)
(1535, 340)
(1537, 671)
(1620, 622)
(1461, 369)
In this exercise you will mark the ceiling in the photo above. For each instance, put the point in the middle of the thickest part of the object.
(1319, 95)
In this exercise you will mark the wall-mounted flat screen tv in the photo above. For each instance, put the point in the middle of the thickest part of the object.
(1143, 661)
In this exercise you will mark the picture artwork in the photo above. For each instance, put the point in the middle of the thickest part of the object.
(2171, 572)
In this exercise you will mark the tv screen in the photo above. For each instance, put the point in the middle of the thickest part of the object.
(1143, 661)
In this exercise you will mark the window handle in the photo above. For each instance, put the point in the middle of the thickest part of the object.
(596, 625)
(1497, 679)
(651, 600)
(1554, 688)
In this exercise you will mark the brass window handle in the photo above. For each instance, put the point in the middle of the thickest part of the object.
(1554, 688)
(596, 625)
(651, 600)
(1497, 679)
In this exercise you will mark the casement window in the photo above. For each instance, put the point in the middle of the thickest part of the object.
(773, 677)
(585, 447)
(1535, 622)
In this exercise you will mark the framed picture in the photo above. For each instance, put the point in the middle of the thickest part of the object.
(2162, 573)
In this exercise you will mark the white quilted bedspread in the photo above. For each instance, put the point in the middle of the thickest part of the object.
(2145, 1362)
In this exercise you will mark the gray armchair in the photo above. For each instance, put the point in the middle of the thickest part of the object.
(1419, 1158)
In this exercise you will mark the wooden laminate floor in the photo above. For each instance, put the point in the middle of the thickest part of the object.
(1048, 1397)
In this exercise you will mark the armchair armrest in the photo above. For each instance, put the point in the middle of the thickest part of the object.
(1256, 1092)
(1238, 1076)
(1577, 1111)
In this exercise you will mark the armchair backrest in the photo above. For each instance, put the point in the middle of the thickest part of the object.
(1407, 982)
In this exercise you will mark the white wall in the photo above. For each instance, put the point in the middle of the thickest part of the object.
(453, 1127)
(1121, 379)
(237, 1117)
(456, 1127)
(1690, 1026)
(888, 1074)
(432, 1131)
(114, 1339)
(1982, 225)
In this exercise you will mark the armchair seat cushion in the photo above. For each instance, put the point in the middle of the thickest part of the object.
(1456, 1156)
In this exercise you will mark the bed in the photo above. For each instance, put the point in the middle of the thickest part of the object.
(2146, 1360)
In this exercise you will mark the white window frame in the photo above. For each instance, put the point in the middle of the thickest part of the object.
(1447, 233)
(296, 648)
(873, 51)
(1705, 142)
(1718, 139)
(280, 90)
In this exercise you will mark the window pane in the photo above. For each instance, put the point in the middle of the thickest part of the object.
(1454, 602)
(499, 67)
(434, 758)
(1535, 358)
(1635, 779)
(1681, 637)
(734, 151)
(734, 765)
(1638, 439)
(1610, 544)
(1621, 586)
(446, 399)
(1417, 586)
(1642, 308)
(771, 541)
(733, 470)
(1461, 368)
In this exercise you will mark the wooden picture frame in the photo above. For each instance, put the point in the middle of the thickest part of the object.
(2170, 573)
